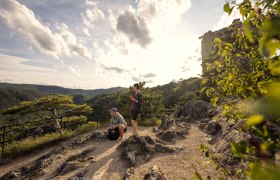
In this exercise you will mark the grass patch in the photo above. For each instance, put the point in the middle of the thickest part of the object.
(30, 143)
(150, 122)
(16, 148)
(90, 126)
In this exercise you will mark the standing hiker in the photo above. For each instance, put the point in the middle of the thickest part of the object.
(136, 107)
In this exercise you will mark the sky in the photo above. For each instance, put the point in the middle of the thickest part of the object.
(92, 44)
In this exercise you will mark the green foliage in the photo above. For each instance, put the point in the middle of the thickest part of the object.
(244, 81)
(174, 91)
(30, 143)
(12, 97)
(260, 172)
(152, 105)
(204, 149)
(197, 176)
(254, 120)
(86, 128)
(227, 8)
(150, 122)
(239, 149)
(49, 110)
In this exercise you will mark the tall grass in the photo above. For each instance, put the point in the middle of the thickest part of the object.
(29, 144)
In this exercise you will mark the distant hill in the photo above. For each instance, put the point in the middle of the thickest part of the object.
(57, 89)
(12, 94)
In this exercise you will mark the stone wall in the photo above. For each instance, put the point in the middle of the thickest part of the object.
(207, 51)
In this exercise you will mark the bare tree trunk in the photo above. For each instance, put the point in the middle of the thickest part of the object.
(56, 121)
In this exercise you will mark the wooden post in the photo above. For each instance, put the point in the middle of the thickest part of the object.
(3, 143)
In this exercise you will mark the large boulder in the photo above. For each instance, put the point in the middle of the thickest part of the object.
(166, 122)
(178, 131)
(212, 128)
(154, 174)
(139, 149)
(195, 111)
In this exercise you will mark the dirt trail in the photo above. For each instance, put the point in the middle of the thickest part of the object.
(103, 160)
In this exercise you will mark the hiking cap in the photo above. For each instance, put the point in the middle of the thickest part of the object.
(113, 110)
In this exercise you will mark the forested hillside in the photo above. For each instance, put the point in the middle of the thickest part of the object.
(12, 94)
(156, 99)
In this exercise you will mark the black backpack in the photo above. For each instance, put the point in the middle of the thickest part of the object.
(113, 134)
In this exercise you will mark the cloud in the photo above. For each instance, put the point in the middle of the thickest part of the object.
(144, 78)
(141, 79)
(138, 79)
(149, 75)
(148, 19)
(18, 64)
(135, 28)
(73, 46)
(77, 71)
(227, 20)
(22, 20)
(91, 15)
(185, 69)
(113, 68)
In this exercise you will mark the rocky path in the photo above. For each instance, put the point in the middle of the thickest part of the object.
(91, 157)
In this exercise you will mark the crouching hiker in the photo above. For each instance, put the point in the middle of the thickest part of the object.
(118, 126)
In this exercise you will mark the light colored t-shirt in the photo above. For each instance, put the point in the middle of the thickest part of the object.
(118, 119)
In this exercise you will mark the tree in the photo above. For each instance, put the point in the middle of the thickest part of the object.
(245, 82)
(152, 104)
(50, 108)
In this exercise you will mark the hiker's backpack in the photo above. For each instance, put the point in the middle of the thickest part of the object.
(113, 134)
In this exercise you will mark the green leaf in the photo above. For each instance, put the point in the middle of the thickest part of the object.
(197, 176)
(254, 120)
(259, 172)
(243, 11)
(217, 40)
(270, 41)
(227, 9)
(238, 148)
(275, 68)
(248, 30)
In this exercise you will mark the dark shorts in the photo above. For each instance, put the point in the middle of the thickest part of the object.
(117, 129)
(134, 115)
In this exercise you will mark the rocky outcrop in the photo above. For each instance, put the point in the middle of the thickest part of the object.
(171, 130)
(37, 169)
(221, 149)
(166, 122)
(194, 111)
(129, 174)
(179, 131)
(139, 149)
(74, 162)
(96, 135)
(154, 174)
(212, 128)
